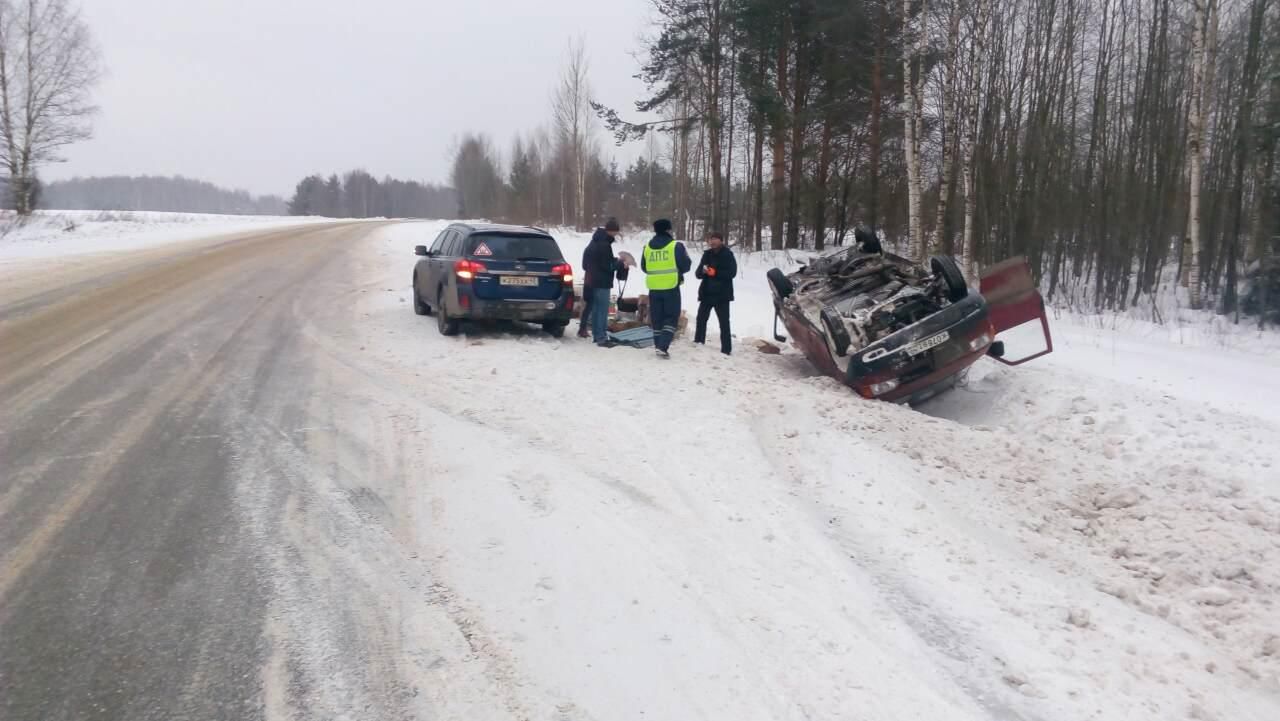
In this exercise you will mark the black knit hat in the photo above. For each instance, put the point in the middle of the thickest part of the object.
(612, 224)
(662, 225)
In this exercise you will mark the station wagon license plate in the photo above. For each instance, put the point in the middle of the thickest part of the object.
(921, 346)
(525, 280)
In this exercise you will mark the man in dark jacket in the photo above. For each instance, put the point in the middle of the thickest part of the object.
(717, 270)
(598, 269)
(664, 262)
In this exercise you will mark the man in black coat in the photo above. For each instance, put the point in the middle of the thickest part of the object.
(717, 270)
(598, 269)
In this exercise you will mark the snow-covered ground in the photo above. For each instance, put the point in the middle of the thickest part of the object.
(1093, 536)
(55, 233)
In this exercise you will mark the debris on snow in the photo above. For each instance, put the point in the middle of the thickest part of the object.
(1212, 596)
(1079, 617)
(1123, 498)
(1271, 646)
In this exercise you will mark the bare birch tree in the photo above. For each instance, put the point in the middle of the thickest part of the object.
(48, 66)
(970, 94)
(1201, 32)
(912, 79)
(948, 130)
(572, 116)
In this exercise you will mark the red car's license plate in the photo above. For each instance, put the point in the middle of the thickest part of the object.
(921, 346)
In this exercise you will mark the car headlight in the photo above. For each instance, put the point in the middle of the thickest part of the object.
(879, 389)
(980, 342)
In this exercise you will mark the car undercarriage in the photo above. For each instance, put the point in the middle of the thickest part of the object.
(888, 327)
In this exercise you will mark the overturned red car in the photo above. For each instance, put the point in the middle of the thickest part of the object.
(896, 330)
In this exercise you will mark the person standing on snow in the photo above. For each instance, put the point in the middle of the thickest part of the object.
(598, 269)
(717, 270)
(664, 262)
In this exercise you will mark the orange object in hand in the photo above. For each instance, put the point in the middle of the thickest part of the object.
(711, 271)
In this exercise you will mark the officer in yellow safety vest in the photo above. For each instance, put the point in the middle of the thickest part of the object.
(664, 261)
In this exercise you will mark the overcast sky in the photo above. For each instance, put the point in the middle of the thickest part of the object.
(255, 94)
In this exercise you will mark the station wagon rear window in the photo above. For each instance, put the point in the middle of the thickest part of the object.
(513, 247)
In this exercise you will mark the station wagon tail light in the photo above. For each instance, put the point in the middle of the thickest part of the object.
(467, 269)
(565, 271)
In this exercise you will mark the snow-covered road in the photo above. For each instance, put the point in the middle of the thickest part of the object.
(503, 525)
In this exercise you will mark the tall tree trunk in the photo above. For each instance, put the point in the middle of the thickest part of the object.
(799, 124)
(713, 123)
(912, 78)
(1263, 172)
(1195, 140)
(777, 183)
(873, 205)
(948, 128)
(1244, 156)
(820, 192)
(757, 175)
(728, 164)
(972, 106)
(684, 200)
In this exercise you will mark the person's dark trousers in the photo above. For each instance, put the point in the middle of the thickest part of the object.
(584, 320)
(600, 315)
(722, 315)
(664, 314)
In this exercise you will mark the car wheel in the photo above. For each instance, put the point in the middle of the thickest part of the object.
(945, 267)
(555, 328)
(447, 325)
(419, 307)
(780, 282)
(836, 330)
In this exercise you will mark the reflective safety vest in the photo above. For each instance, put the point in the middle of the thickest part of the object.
(660, 268)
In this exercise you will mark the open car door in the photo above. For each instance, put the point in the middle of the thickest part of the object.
(1013, 299)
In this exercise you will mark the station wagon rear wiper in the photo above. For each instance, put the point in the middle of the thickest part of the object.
(531, 258)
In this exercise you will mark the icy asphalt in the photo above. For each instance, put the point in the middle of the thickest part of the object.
(135, 391)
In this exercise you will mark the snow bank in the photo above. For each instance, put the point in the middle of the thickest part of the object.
(1079, 538)
(52, 233)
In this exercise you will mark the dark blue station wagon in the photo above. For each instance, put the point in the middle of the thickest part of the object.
(479, 271)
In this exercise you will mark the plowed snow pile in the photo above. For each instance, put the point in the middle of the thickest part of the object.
(1096, 536)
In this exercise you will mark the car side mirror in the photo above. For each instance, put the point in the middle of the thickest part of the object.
(420, 250)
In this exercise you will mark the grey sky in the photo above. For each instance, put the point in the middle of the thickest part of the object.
(257, 93)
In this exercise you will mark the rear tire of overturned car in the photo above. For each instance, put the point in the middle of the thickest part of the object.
(945, 267)
(780, 282)
(836, 330)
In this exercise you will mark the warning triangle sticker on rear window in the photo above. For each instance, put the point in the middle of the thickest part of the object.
(482, 249)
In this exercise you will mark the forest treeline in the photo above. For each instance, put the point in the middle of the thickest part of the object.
(167, 194)
(1115, 143)
(357, 194)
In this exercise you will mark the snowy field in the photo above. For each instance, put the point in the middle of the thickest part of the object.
(1094, 536)
(54, 233)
